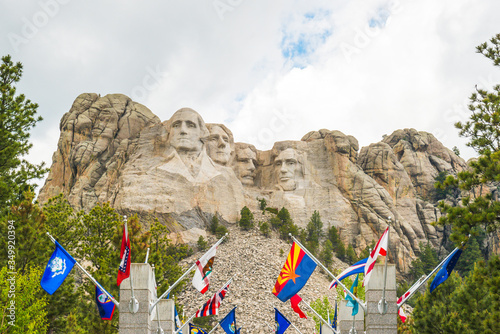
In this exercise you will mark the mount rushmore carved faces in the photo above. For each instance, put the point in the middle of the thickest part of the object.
(246, 161)
(289, 169)
(220, 143)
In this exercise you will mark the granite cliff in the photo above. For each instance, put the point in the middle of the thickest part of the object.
(184, 171)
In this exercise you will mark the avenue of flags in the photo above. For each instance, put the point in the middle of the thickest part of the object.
(295, 273)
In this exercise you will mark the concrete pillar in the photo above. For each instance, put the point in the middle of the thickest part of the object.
(143, 280)
(325, 329)
(166, 310)
(346, 319)
(377, 323)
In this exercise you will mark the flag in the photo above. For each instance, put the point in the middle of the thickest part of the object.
(446, 269)
(407, 294)
(203, 270)
(228, 324)
(104, 304)
(350, 301)
(295, 300)
(280, 322)
(58, 268)
(402, 314)
(380, 248)
(211, 307)
(124, 268)
(295, 273)
(193, 329)
(357, 268)
(334, 322)
(178, 323)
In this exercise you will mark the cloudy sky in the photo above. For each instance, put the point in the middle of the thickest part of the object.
(269, 70)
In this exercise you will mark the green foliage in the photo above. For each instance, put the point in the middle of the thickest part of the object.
(202, 243)
(314, 228)
(326, 255)
(262, 204)
(246, 220)
(323, 308)
(264, 229)
(286, 224)
(426, 261)
(214, 224)
(456, 151)
(471, 254)
(351, 256)
(206, 323)
(348, 281)
(272, 210)
(23, 302)
(17, 117)
(445, 188)
(338, 246)
(221, 231)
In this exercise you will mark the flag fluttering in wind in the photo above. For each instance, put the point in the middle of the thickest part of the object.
(350, 301)
(295, 300)
(357, 268)
(104, 304)
(407, 294)
(334, 322)
(280, 322)
(193, 329)
(58, 268)
(295, 273)
(211, 307)
(380, 248)
(178, 323)
(124, 268)
(203, 270)
(402, 314)
(228, 324)
(446, 269)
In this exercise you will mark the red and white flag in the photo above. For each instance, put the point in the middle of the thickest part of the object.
(402, 314)
(204, 270)
(407, 294)
(211, 307)
(380, 248)
(124, 268)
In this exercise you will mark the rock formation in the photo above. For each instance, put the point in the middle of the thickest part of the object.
(184, 171)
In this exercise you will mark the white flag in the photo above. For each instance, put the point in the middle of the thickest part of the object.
(380, 248)
(203, 270)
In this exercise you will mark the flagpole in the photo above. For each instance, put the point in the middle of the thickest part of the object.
(317, 314)
(90, 276)
(429, 276)
(295, 327)
(214, 328)
(133, 304)
(353, 328)
(147, 256)
(274, 330)
(328, 272)
(183, 276)
(186, 323)
(382, 303)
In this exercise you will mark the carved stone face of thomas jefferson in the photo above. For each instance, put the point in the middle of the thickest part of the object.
(218, 145)
(185, 131)
(288, 169)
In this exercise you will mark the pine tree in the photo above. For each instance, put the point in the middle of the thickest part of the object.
(246, 220)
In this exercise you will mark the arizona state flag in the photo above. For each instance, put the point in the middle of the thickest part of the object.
(295, 273)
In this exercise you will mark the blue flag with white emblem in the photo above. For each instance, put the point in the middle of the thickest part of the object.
(228, 324)
(58, 268)
(104, 304)
(446, 269)
(281, 322)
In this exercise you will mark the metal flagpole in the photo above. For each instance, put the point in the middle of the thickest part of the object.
(317, 314)
(186, 323)
(329, 273)
(295, 327)
(89, 276)
(214, 328)
(273, 329)
(147, 256)
(353, 328)
(133, 304)
(429, 276)
(382, 303)
(183, 276)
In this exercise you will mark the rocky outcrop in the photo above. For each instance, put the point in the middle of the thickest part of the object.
(184, 171)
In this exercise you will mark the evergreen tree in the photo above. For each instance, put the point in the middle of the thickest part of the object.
(214, 224)
(326, 255)
(246, 220)
(264, 229)
(426, 261)
(315, 228)
(351, 256)
(17, 118)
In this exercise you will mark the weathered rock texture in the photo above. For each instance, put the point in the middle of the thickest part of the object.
(114, 150)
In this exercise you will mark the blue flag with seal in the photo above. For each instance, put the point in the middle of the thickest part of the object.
(104, 304)
(193, 329)
(58, 268)
(280, 322)
(228, 324)
(350, 301)
(446, 269)
(178, 322)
